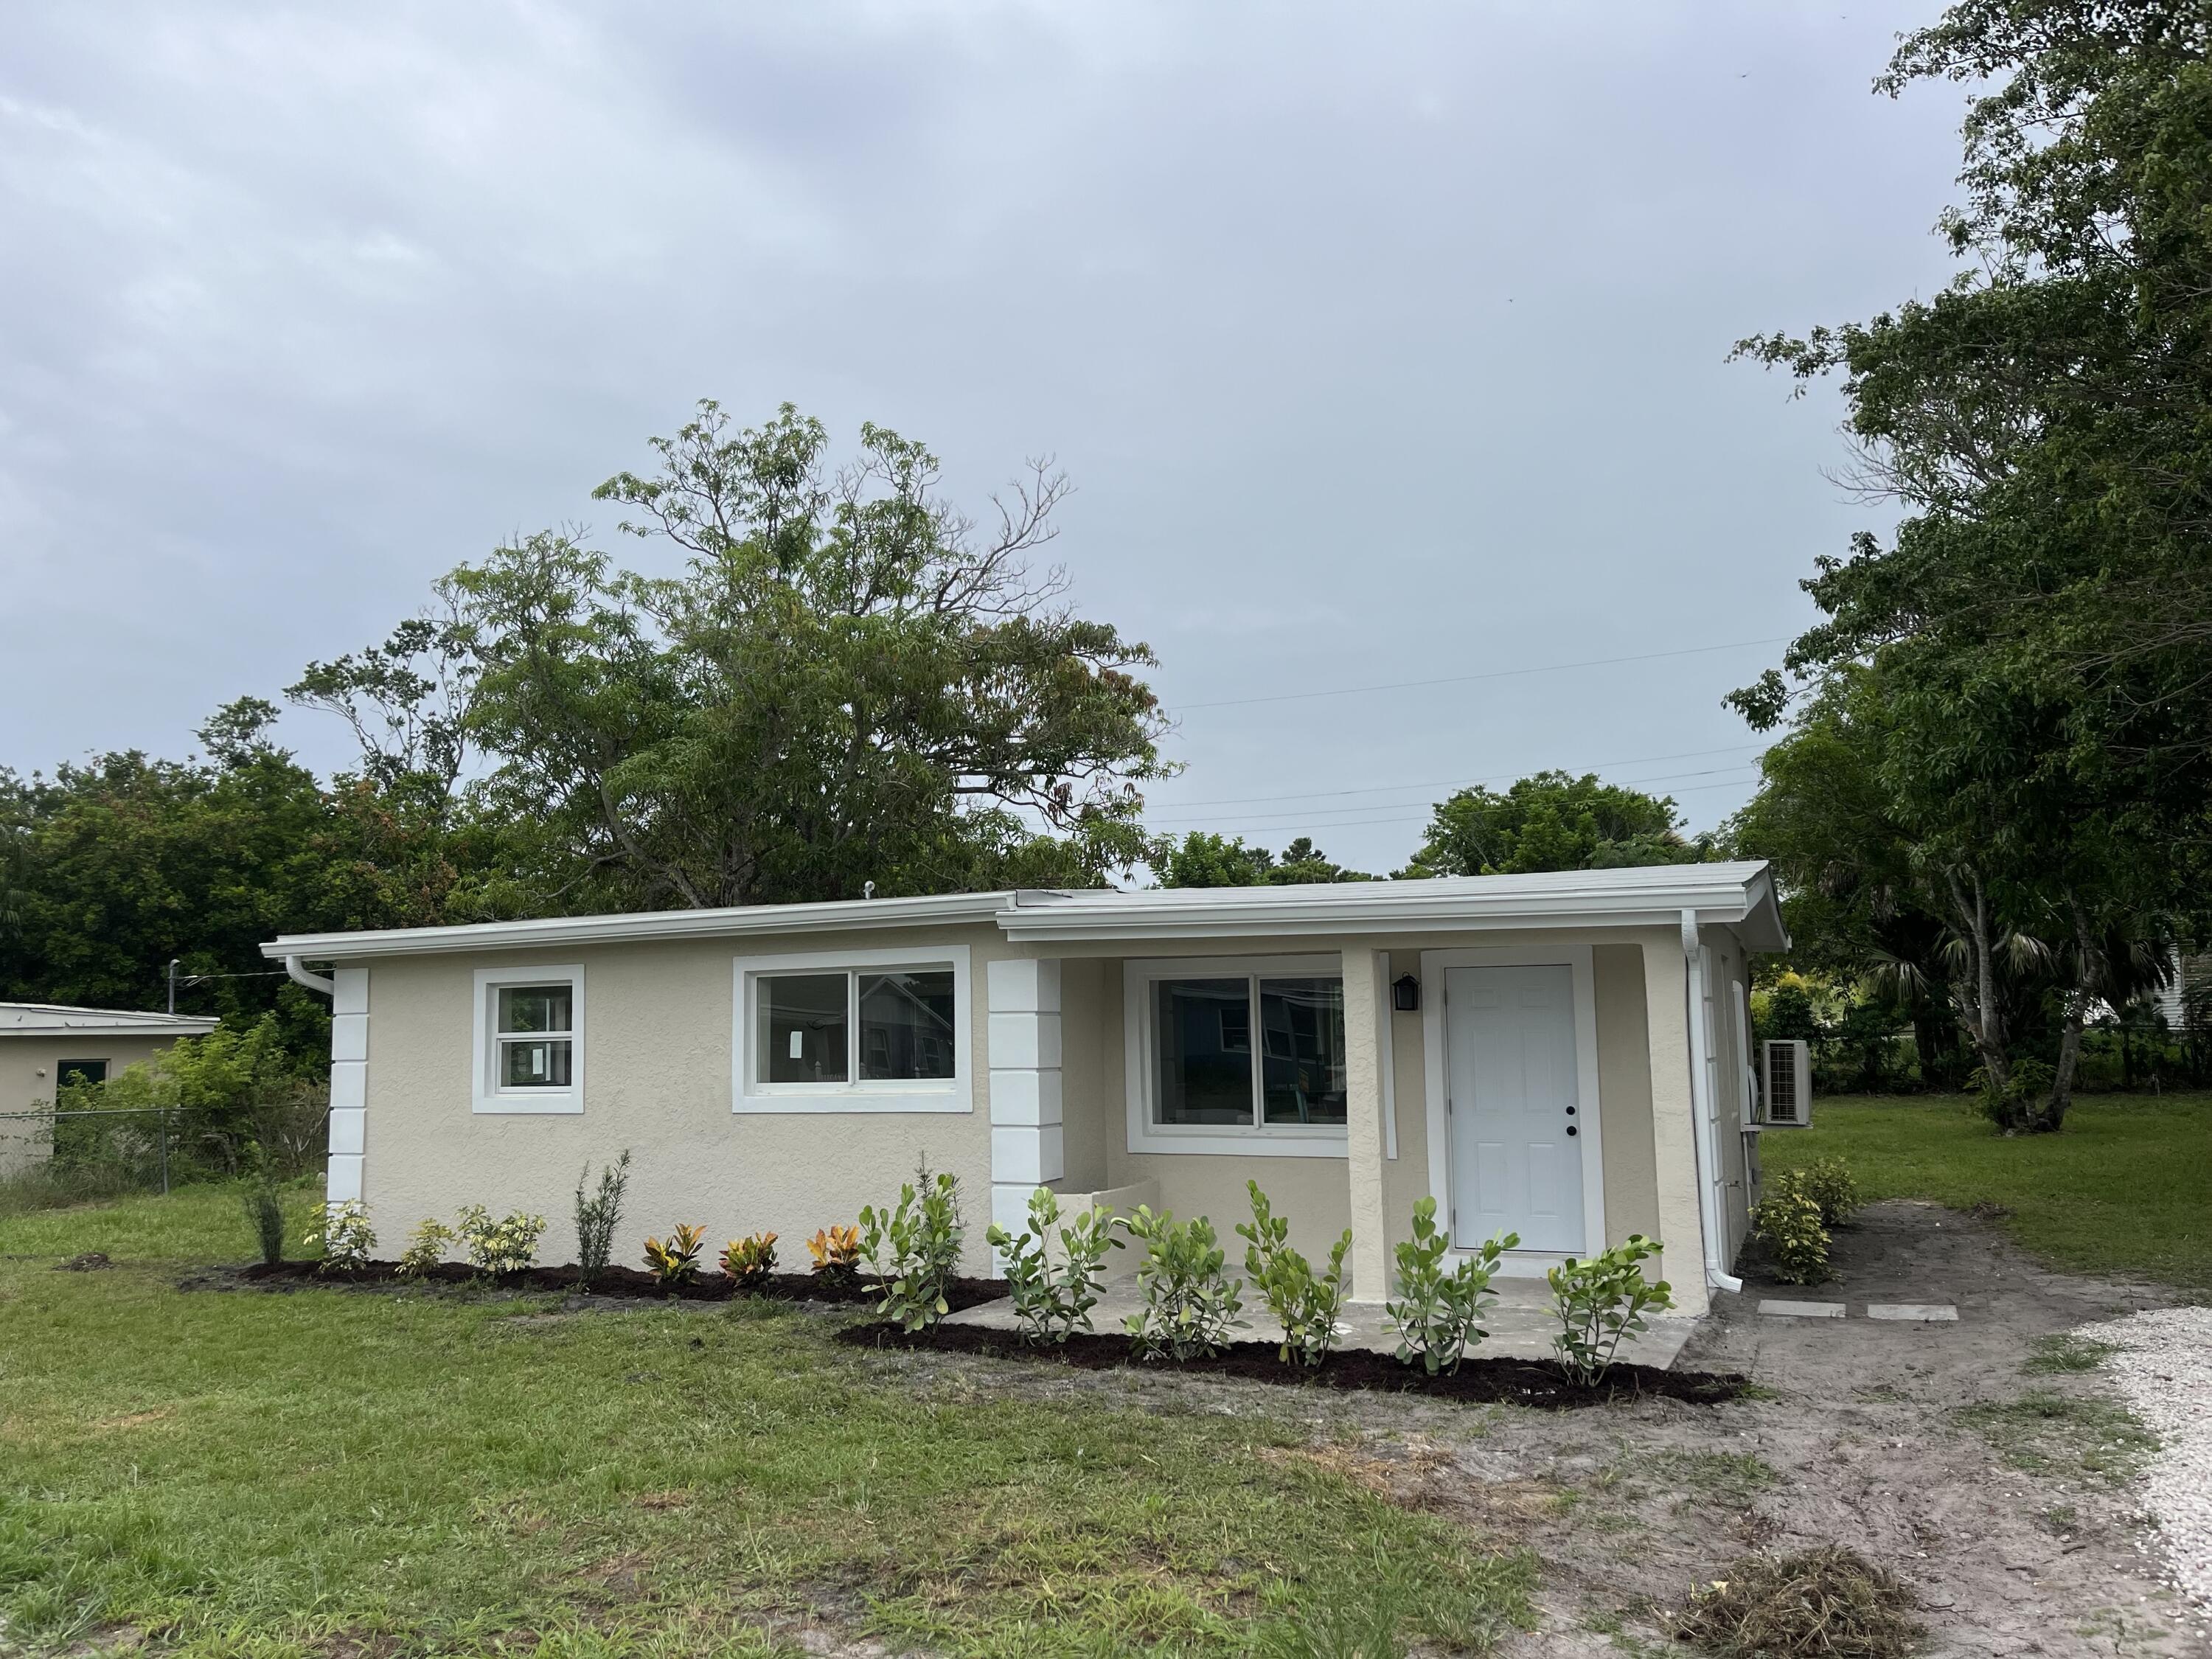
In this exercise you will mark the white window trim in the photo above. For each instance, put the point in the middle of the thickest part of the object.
(954, 1094)
(488, 1095)
(1261, 1140)
(1577, 960)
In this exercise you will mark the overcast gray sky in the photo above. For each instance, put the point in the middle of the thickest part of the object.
(1383, 343)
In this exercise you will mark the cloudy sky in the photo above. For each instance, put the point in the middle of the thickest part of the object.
(1384, 342)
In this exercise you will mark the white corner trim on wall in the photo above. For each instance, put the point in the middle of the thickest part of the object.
(1435, 1036)
(486, 1094)
(748, 1095)
(348, 1132)
(1028, 1149)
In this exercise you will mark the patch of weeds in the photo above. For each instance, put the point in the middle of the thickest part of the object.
(1757, 1391)
(1831, 1601)
(2068, 1352)
(2061, 1521)
(1730, 1477)
(2048, 1433)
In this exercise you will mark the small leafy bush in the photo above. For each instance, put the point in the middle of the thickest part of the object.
(1439, 1311)
(345, 1236)
(675, 1261)
(1304, 1304)
(749, 1260)
(837, 1252)
(1189, 1306)
(1828, 1181)
(913, 1250)
(600, 1216)
(1787, 1220)
(1601, 1299)
(1052, 1299)
(508, 1245)
(264, 1213)
(426, 1248)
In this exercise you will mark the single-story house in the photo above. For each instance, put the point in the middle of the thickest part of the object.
(1562, 1057)
(43, 1045)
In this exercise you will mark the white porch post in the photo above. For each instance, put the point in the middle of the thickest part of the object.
(1025, 1077)
(1364, 1115)
(349, 1083)
(1674, 1126)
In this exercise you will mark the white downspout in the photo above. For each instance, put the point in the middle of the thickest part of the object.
(317, 982)
(1703, 1106)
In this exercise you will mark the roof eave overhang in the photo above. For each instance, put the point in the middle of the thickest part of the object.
(1046, 925)
(560, 931)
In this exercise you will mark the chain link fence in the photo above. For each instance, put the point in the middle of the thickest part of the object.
(75, 1154)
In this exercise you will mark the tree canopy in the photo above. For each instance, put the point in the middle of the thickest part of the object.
(2036, 626)
(1553, 820)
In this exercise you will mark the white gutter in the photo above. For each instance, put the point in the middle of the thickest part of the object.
(316, 982)
(1705, 1110)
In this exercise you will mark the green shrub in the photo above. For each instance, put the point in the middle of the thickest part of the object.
(345, 1236)
(1827, 1181)
(676, 1260)
(505, 1246)
(600, 1216)
(1601, 1299)
(426, 1248)
(1438, 1310)
(914, 1251)
(1787, 1220)
(264, 1213)
(1054, 1299)
(749, 1260)
(1304, 1304)
(1189, 1306)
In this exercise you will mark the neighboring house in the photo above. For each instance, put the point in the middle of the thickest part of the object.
(1563, 1056)
(43, 1045)
(2186, 999)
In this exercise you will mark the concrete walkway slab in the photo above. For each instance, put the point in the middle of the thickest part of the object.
(1802, 1310)
(1521, 1323)
(1913, 1312)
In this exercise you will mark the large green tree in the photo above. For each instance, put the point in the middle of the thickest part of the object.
(1553, 820)
(2037, 621)
(850, 686)
(1204, 859)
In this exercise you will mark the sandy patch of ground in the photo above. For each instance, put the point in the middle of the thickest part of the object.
(1864, 1433)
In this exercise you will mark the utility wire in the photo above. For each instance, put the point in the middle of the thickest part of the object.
(1491, 674)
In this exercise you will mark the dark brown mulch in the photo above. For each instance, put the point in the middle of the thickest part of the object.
(1478, 1379)
(90, 1261)
(628, 1283)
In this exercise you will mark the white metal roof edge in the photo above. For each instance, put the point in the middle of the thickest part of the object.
(69, 1021)
(840, 915)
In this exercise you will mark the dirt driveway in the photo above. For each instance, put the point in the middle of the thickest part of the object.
(1963, 1456)
(1910, 1442)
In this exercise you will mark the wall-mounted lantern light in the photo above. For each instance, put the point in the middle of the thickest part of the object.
(1406, 994)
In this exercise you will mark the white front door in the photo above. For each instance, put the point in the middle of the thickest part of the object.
(1514, 1119)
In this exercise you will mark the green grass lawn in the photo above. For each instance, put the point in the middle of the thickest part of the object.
(2125, 1188)
(333, 1472)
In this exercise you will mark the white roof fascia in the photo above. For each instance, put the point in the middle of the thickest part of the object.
(1739, 896)
(545, 932)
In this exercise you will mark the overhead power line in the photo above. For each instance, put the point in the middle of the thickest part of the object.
(1467, 782)
(1491, 674)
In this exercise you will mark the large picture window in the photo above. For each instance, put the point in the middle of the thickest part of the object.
(1234, 1052)
(861, 1032)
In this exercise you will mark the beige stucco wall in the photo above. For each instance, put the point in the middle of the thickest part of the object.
(27, 1065)
(656, 1077)
(657, 1080)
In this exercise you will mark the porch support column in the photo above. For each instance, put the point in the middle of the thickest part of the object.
(1674, 1121)
(349, 1083)
(1025, 1083)
(1363, 1116)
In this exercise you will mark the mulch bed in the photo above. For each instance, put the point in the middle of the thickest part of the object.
(630, 1284)
(1480, 1380)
